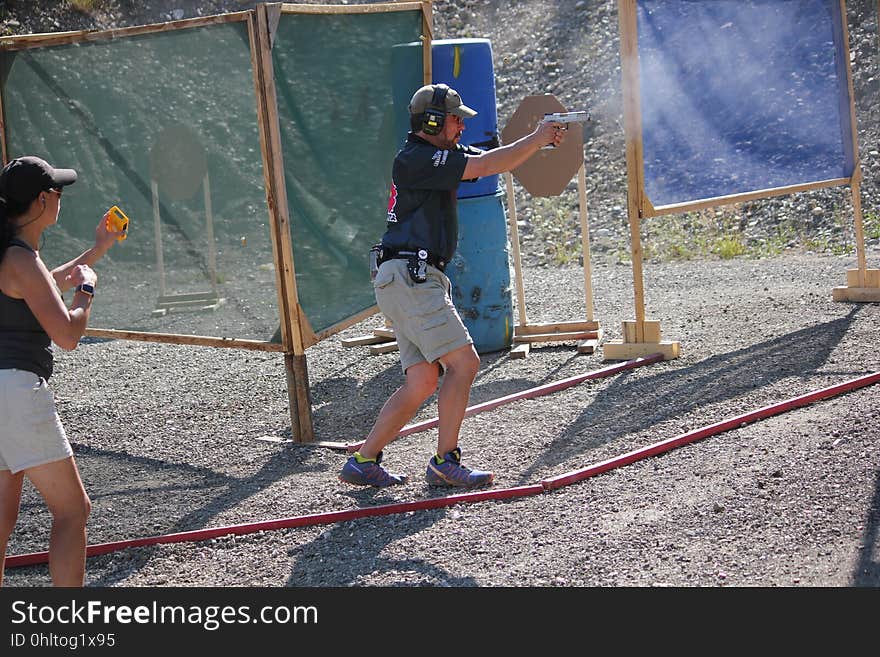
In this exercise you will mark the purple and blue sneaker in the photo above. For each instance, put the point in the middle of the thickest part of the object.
(450, 472)
(369, 473)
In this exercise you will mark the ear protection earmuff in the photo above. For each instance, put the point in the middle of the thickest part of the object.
(435, 112)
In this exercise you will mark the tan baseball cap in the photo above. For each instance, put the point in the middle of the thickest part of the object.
(423, 98)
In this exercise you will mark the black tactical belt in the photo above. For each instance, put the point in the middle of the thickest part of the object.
(422, 254)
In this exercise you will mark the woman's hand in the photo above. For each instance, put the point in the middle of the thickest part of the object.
(104, 237)
(81, 274)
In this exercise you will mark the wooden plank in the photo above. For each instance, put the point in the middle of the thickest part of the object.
(692, 206)
(590, 346)
(520, 351)
(557, 337)
(856, 182)
(21, 42)
(384, 333)
(587, 346)
(344, 324)
(514, 243)
(585, 241)
(620, 350)
(872, 278)
(651, 330)
(383, 348)
(857, 294)
(291, 8)
(189, 306)
(3, 150)
(273, 178)
(171, 338)
(632, 119)
(302, 425)
(645, 331)
(260, 28)
(185, 298)
(427, 38)
(556, 327)
(362, 340)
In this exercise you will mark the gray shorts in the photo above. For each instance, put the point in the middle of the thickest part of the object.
(426, 324)
(30, 431)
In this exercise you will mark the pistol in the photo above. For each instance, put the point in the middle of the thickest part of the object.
(565, 118)
(116, 221)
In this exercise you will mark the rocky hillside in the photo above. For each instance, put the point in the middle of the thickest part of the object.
(571, 49)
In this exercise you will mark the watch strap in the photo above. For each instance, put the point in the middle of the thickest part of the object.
(86, 288)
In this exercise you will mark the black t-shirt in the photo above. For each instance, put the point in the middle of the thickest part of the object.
(422, 208)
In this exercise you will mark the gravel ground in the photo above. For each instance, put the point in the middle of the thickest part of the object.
(174, 438)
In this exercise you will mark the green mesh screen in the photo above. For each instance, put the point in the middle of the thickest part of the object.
(173, 111)
(340, 131)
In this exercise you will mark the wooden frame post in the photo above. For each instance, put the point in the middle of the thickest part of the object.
(640, 337)
(262, 27)
(862, 284)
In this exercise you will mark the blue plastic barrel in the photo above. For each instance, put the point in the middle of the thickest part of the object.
(480, 273)
(466, 66)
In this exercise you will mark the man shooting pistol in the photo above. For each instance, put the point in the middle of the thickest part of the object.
(564, 118)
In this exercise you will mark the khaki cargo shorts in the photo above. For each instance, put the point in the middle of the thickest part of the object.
(426, 324)
(31, 433)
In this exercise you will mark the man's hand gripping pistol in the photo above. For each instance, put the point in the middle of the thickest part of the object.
(564, 118)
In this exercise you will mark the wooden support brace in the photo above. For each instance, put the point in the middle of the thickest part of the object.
(859, 288)
(640, 339)
(300, 397)
(520, 351)
(587, 334)
(555, 327)
(590, 346)
(568, 336)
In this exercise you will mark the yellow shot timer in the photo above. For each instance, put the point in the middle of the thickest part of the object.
(116, 221)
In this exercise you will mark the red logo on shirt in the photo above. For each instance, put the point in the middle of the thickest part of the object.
(392, 201)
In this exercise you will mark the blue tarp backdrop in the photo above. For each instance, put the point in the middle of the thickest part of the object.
(741, 95)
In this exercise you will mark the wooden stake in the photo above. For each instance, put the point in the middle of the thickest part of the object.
(514, 243)
(585, 241)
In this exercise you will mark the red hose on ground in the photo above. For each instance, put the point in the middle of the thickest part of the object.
(285, 523)
(709, 430)
(504, 493)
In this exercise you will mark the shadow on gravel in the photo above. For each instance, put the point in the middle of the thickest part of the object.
(867, 569)
(632, 404)
(331, 552)
(203, 493)
(345, 409)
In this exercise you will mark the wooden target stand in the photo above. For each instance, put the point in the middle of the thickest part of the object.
(862, 284)
(179, 167)
(547, 173)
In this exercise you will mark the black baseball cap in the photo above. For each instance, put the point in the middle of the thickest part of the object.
(25, 177)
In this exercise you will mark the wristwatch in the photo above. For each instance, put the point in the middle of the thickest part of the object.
(86, 288)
